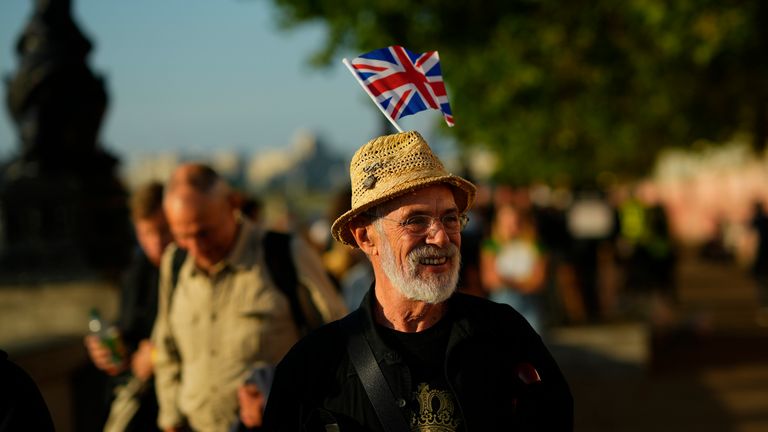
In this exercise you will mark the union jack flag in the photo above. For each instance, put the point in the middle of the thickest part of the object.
(402, 82)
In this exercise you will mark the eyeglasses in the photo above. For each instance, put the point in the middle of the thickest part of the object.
(420, 224)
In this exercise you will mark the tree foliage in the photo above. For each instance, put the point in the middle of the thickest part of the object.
(573, 88)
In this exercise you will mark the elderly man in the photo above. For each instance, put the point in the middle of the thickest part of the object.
(221, 314)
(416, 356)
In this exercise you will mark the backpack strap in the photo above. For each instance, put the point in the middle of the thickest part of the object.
(179, 256)
(165, 298)
(279, 261)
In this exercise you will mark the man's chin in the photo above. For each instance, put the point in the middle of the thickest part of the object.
(427, 293)
(440, 296)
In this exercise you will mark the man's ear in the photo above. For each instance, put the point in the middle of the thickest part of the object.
(365, 237)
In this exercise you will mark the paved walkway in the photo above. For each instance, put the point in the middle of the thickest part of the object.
(708, 372)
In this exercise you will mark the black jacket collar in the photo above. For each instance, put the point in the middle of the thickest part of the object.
(458, 312)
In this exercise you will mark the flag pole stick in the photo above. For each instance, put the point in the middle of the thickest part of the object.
(362, 84)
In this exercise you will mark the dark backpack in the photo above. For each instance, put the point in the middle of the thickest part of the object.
(282, 270)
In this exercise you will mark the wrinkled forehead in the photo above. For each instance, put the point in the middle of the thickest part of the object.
(440, 196)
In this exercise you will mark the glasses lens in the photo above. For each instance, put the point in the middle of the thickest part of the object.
(418, 224)
(451, 223)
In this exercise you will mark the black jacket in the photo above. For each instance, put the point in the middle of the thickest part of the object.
(138, 302)
(316, 384)
(22, 407)
(138, 309)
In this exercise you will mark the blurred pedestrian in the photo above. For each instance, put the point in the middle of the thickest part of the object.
(592, 225)
(416, 355)
(651, 256)
(514, 265)
(223, 318)
(347, 265)
(134, 407)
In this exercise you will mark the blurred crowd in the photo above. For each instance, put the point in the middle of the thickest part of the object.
(571, 256)
(558, 256)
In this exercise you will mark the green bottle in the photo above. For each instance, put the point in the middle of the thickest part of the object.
(108, 334)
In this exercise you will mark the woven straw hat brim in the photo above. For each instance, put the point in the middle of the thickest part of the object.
(465, 198)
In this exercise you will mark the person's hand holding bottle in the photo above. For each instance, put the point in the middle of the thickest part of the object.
(104, 345)
(102, 356)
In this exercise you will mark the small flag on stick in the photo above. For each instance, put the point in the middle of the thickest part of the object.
(402, 83)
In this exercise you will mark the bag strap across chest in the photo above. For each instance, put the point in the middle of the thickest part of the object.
(368, 371)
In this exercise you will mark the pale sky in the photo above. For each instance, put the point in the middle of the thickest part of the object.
(200, 75)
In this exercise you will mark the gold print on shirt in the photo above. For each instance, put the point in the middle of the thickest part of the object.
(437, 411)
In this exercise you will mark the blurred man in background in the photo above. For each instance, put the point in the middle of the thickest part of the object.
(135, 404)
(222, 314)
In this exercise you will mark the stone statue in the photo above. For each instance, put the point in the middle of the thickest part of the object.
(61, 205)
(54, 99)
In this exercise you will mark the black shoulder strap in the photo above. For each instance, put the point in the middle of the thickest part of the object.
(279, 261)
(179, 255)
(177, 260)
(376, 387)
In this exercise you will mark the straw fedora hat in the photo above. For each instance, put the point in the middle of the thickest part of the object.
(392, 165)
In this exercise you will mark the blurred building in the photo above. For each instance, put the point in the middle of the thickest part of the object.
(307, 165)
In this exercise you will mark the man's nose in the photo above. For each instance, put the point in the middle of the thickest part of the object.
(437, 235)
(191, 245)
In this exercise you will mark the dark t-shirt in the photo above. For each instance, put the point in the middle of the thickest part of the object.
(432, 402)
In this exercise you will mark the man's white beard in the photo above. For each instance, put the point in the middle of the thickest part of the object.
(430, 288)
